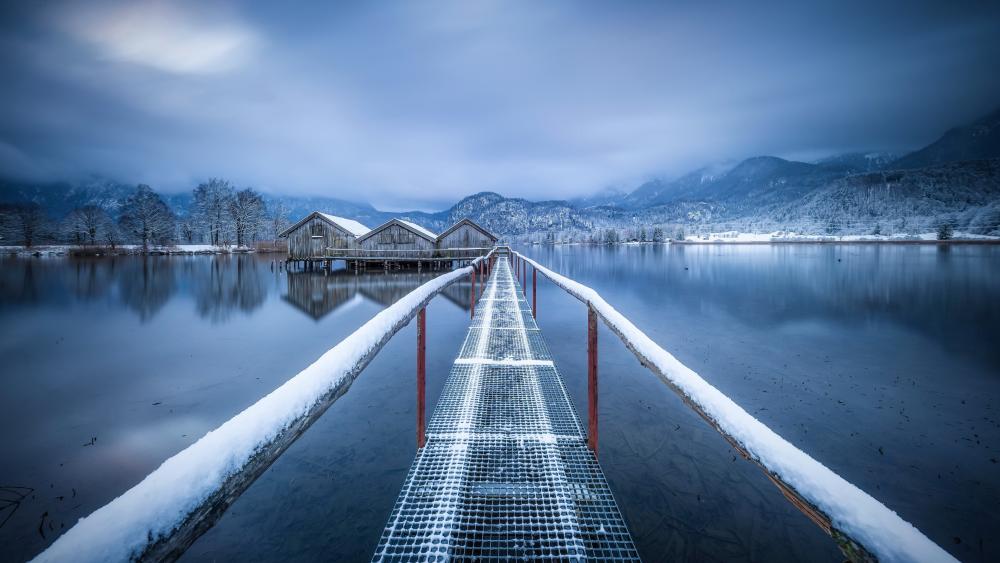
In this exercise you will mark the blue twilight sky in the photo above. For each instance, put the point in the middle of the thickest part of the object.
(420, 103)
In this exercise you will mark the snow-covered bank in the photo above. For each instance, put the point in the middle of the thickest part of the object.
(735, 237)
(122, 249)
(850, 510)
(161, 502)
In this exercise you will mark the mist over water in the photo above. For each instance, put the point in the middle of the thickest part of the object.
(879, 361)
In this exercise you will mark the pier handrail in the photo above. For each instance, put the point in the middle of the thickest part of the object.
(864, 528)
(159, 518)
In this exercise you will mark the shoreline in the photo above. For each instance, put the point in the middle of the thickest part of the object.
(927, 242)
(80, 251)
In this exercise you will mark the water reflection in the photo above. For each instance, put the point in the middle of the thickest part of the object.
(111, 365)
(219, 285)
(947, 293)
(318, 293)
(221, 289)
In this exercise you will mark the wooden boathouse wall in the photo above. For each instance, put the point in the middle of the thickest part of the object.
(395, 236)
(466, 234)
(312, 238)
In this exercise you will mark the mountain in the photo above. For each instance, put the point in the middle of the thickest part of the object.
(955, 179)
(609, 196)
(859, 162)
(765, 178)
(509, 216)
(59, 198)
(976, 141)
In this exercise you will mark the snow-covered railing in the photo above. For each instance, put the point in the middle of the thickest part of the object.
(864, 528)
(159, 518)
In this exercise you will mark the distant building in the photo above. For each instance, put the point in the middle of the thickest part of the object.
(320, 237)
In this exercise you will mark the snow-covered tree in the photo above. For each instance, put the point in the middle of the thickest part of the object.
(210, 207)
(146, 217)
(246, 210)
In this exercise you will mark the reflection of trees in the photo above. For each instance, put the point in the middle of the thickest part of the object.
(224, 284)
(317, 294)
(92, 277)
(950, 295)
(18, 283)
(146, 284)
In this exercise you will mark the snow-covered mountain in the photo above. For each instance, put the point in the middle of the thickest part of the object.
(955, 179)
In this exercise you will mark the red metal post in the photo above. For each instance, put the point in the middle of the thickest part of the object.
(524, 279)
(472, 296)
(534, 293)
(421, 373)
(592, 378)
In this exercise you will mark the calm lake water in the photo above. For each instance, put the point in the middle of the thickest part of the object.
(879, 361)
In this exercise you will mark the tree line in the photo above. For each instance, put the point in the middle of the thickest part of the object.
(220, 214)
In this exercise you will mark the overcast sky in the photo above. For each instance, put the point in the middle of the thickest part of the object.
(416, 104)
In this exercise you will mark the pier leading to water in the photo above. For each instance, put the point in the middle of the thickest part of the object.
(506, 472)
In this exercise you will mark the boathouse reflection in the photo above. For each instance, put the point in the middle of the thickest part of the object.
(318, 293)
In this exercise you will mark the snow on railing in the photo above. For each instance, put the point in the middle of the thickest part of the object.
(864, 528)
(162, 515)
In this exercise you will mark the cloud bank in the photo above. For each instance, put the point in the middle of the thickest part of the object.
(418, 104)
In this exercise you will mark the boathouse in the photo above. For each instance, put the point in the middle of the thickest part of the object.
(320, 239)
(317, 234)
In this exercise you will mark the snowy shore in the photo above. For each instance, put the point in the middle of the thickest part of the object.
(734, 237)
(124, 249)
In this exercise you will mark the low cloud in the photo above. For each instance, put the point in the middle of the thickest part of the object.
(418, 104)
(159, 35)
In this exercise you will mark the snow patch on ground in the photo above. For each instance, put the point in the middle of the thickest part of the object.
(66, 249)
(863, 518)
(789, 236)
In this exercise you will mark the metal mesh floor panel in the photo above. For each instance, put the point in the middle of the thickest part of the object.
(506, 472)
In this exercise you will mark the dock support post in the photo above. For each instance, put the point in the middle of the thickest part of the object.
(524, 277)
(592, 378)
(421, 373)
(472, 296)
(534, 293)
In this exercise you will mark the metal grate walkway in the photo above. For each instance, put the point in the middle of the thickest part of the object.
(505, 472)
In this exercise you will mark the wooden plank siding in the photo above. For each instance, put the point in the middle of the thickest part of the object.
(466, 235)
(312, 238)
(395, 237)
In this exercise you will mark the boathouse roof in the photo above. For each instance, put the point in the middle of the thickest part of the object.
(412, 227)
(470, 223)
(350, 225)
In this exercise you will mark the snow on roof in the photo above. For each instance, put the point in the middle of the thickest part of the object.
(420, 229)
(349, 225)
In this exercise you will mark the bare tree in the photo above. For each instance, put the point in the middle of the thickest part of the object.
(211, 207)
(112, 235)
(187, 230)
(29, 223)
(83, 223)
(246, 208)
(146, 217)
(278, 220)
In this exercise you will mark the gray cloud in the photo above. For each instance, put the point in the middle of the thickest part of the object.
(417, 104)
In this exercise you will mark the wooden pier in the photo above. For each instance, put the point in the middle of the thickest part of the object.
(504, 470)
